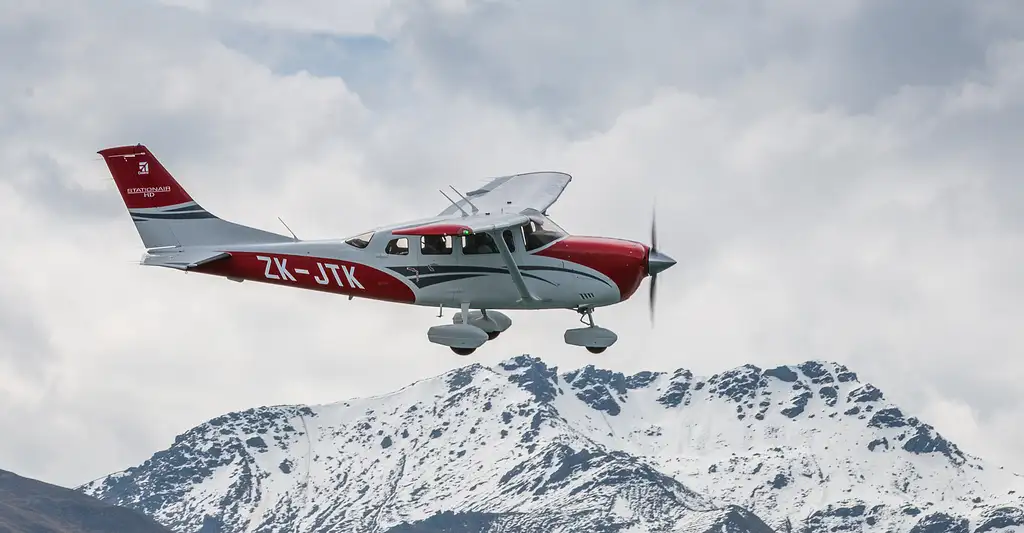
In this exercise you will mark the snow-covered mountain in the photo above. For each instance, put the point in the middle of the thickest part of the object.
(522, 447)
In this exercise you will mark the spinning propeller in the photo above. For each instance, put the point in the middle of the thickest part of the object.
(656, 262)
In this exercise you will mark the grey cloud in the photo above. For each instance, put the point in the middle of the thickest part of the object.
(25, 344)
(44, 181)
(811, 215)
(889, 45)
(367, 63)
(583, 62)
(825, 198)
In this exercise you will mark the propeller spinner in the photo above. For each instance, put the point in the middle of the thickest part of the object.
(656, 262)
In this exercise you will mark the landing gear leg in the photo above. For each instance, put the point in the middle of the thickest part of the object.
(491, 335)
(587, 316)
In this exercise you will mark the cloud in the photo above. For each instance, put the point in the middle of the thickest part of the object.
(837, 181)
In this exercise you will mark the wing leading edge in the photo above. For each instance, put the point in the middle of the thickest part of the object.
(514, 194)
(480, 223)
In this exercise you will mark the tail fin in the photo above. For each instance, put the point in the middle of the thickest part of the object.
(164, 214)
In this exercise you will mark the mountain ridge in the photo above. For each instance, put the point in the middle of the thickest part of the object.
(28, 504)
(746, 440)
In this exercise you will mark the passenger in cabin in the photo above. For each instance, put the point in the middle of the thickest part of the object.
(397, 247)
(436, 245)
(478, 243)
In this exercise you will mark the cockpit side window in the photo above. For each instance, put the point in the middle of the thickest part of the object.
(541, 231)
(509, 239)
(360, 241)
(478, 243)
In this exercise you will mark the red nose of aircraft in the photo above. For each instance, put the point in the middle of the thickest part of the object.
(627, 263)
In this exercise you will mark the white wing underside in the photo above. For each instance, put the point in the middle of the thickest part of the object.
(514, 194)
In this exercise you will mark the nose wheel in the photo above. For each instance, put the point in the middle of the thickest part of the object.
(593, 337)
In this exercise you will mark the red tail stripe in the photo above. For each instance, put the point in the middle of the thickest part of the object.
(142, 181)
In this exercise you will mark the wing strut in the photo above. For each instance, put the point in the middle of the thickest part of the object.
(513, 268)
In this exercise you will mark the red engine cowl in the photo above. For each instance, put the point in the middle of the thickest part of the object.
(624, 262)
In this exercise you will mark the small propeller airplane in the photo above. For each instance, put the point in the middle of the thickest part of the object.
(493, 249)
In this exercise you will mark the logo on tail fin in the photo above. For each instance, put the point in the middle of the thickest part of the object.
(143, 167)
(148, 192)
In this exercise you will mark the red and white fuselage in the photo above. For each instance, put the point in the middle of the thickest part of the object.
(506, 254)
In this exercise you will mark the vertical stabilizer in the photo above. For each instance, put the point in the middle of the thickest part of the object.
(163, 212)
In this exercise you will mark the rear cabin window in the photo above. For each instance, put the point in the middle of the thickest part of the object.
(436, 245)
(478, 243)
(399, 246)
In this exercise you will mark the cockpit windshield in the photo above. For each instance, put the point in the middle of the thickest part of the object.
(541, 231)
(360, 241)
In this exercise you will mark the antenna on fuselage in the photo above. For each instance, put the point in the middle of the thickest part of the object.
(457, 206)
(289, 229)
(475, 210)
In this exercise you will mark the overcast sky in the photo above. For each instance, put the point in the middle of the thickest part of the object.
(838, 180)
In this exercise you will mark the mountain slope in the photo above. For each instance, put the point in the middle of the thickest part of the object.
(808, 441)
(521, 447)
(30, 505)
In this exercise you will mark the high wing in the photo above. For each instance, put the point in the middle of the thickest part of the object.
(514, 194)
(479, 223)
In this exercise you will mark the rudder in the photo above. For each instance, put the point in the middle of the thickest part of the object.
(163, 212)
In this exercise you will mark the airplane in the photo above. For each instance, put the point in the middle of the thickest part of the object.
(493, 249)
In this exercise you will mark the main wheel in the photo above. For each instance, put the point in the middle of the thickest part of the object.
(595, 349)
(491, 335)
(463, 351)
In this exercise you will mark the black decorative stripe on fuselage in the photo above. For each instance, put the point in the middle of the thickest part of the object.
(424, 282)
(428, 279)
(566, 270)
(425, 276)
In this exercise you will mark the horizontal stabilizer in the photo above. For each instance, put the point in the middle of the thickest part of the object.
(182, 258)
